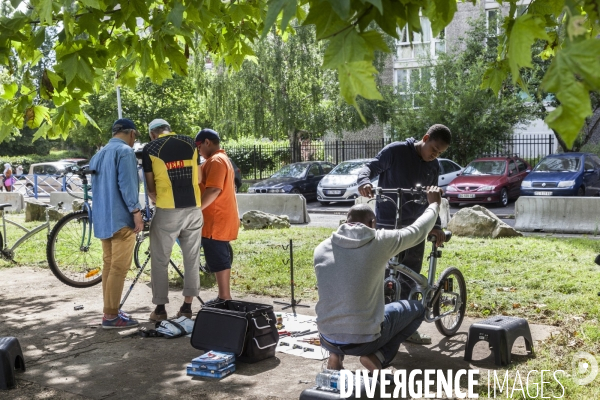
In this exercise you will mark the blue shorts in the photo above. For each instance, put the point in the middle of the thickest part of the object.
(218, 254)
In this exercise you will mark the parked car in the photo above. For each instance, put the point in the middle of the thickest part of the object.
(49, 178)
(340, 183)
(302, 177)
(489, 180)
(566, 174)
(448, 171)
(79, 161)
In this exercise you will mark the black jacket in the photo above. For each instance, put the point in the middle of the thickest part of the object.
(399, 166)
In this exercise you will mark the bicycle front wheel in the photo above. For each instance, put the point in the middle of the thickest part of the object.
(453, 291)
(74, 254)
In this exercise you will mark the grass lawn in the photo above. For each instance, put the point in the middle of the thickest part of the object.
(546, 280)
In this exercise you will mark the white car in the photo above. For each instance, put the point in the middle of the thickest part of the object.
(448, 171)
(340, 184)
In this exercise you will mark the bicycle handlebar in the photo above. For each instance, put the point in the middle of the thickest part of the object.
(418, 191)
(431, 238)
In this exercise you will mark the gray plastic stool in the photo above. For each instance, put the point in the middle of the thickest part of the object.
(11, 358)
(500, 332)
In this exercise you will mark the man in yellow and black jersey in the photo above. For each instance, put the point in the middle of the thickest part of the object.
(172, 169)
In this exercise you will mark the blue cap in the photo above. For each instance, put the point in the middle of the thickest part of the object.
(122, 124)
(207, 134)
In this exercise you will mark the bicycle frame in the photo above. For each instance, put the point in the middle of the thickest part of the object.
(28, 233)
(425, 287)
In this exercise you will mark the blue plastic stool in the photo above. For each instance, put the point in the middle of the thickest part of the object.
(11, 358)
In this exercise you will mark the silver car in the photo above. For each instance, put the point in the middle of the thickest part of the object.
(340, 184)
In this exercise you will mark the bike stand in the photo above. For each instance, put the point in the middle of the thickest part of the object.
(140, 273)
(293, 303)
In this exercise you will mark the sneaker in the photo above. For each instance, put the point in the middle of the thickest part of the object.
(120, 322)
(214, 301)
(184, 314)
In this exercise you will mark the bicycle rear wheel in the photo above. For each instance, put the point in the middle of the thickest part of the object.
(453, 291)
(74, 254)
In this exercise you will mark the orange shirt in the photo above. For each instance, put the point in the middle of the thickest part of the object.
(221, 218)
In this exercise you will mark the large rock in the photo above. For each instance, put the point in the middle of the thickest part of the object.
(35, 210)
(55, 215)
(255, 219)
(478, 221)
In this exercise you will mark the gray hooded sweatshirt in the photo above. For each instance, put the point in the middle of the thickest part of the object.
(350, 268)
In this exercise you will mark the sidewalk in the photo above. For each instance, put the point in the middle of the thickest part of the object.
(68, 356)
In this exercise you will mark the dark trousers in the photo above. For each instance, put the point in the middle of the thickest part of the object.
(413, 259)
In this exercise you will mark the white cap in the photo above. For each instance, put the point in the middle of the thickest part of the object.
(156, 123)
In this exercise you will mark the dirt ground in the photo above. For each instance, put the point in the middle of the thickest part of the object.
(68, 356)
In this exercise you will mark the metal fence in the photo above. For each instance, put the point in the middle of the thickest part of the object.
(38, 185)
(261, 161)
(530, 147)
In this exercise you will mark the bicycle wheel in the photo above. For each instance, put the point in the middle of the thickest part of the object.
(74, 254)
(453, 291)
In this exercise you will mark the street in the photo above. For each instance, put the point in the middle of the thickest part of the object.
(331, 214)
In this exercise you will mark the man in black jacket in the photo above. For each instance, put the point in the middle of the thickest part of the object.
(404, 165)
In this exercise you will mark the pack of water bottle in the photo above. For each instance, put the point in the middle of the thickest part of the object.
(329, 379)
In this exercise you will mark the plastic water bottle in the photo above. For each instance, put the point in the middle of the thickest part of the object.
(329, 380)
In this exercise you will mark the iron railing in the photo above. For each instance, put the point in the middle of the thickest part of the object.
(261, 161)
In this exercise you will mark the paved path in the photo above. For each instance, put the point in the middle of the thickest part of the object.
(69, 357)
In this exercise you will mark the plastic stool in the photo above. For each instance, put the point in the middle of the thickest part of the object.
(500, 332)
(11, 358)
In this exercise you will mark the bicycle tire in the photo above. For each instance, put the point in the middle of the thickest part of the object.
(77, 268)
(456, 318)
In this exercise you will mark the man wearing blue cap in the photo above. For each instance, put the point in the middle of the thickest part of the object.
(219, 206)
(172, 170)
(117, 216)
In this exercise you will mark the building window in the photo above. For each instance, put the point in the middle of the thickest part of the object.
(410, 82)
(423, 45)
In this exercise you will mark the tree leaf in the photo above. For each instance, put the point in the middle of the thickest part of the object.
(346, 47)
(176, 15)
(340, 7)
(10, 90)
(377, 3)
(44, 9)
(375, 41)
(42, 131)
(34, 116)
(357, 78)
(525, 31)
(494, 77)
(92, 3)
(568, 118)
(325, 19)
(274, 8)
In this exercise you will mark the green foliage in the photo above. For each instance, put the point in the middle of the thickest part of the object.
(448, 92)
(570, 31)
(156, 39)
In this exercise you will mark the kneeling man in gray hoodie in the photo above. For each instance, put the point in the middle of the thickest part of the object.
(350, 267)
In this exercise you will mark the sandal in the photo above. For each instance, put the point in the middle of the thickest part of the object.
(419, 338)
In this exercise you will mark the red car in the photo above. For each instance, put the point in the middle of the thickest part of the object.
(489, 180)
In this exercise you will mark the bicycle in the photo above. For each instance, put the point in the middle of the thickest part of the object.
(444, 305)
(74, 254)
(7, 252)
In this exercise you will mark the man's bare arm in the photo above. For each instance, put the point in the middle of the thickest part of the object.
(209, 195)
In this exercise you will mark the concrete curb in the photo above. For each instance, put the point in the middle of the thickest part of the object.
(336, 212)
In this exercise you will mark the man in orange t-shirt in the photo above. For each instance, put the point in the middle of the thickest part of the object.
(219, 207)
